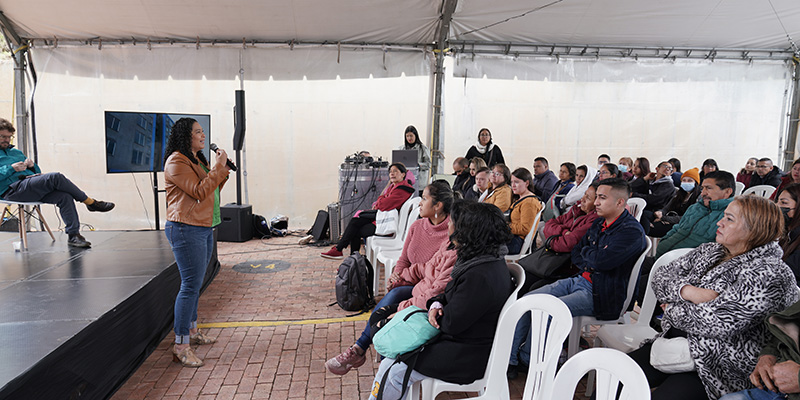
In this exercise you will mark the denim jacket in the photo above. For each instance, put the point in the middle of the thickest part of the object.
(609, 256)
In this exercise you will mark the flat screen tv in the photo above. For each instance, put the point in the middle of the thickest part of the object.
(136, 141)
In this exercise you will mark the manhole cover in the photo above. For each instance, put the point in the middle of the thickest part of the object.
(261, 266)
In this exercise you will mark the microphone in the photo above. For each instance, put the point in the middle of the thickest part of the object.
(230, 164)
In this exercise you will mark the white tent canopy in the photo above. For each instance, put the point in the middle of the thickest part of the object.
(565, 79)
(752, 24)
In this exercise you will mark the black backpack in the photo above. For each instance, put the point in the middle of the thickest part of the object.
(353, 284)
(261, 227)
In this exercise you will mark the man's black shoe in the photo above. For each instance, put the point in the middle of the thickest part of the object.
(101, 206)
(511, 372)
(77, 240)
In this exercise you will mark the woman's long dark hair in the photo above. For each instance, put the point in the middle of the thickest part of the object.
(790, 246)
(440, 192)
(413, 130)
(480, 229)
(180, 139)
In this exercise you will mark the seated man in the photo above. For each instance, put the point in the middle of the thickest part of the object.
(699, 224)
(776, 374)
(766, 174)
(606, 255)
(544, 180)
(464, 180)
(22, 180)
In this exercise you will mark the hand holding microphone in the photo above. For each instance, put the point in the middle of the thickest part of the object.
(222, 155)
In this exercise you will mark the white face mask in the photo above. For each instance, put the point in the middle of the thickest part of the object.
(687, 186)
(622, 168)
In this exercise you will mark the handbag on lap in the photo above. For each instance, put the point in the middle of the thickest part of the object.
(544, 262)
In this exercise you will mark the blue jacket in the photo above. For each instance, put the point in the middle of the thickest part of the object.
(543, 184)
(7, 174)
(609, 256)
(698, 225)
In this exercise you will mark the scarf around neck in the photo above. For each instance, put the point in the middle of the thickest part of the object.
(482, 149)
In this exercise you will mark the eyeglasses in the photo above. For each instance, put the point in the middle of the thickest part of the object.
(6, 136)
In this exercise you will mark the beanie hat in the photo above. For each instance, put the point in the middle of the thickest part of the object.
(692, 173)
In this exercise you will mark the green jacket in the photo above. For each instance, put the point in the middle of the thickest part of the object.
(779, 342)
(7, 174)
(698, 225)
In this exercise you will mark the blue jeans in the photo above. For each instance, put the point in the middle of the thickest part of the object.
(753, 394)
(395, 296)
(575, 292)
(50, 188)
(192, 246)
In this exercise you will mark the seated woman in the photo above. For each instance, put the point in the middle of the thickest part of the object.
(709, 165)
(747, 172)
(468, 311)
(424, 263)
(790, 241)
(661, 188)
(792, 177)
(500, 194)
(607, 171)
(523, 210)
(475, 165)
(566, 181)
(625, 166)
(397, 191)
(658, 223)
(584, 176)
(641, 168)
(717, 296)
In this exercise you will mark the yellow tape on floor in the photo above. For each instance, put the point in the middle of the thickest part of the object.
(362, 317)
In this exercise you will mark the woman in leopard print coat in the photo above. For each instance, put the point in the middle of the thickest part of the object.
(718, 296)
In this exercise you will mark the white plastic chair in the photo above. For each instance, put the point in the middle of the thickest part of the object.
(396, 240)
(612, 368)
(739, 188)
(636, 206)
(518, 273)
(547, 342)
(528, 243)
(22, 215)
(580, 322)
(761, 190)
(389, 256)
(628, 337)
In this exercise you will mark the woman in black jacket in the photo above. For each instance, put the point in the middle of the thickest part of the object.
(790, 241)
(468, 311)
(486, 149)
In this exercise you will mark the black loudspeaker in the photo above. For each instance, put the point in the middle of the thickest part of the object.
(238, 121)
(237, 223)
(320, 228)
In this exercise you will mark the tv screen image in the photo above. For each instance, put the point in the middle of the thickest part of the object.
(136, 141)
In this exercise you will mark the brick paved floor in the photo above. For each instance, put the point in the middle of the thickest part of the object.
(267, 362)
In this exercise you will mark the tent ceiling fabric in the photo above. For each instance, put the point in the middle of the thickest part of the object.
(688, 23)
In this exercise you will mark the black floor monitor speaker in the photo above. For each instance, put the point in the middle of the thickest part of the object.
(237, 223)
(320, 228)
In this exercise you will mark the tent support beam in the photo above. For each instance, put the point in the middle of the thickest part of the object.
(794, 115)
(448, 8)
(19, 48)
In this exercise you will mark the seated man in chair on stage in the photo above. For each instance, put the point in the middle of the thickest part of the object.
(21, 180)
(606, 256)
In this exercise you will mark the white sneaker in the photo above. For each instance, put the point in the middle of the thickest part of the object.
(306, 239)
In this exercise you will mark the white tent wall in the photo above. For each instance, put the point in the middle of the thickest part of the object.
(575, 109)
(305, 113)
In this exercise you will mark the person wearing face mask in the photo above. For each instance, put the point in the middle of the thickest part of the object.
(660, 222)
(790, 241)
(625, 166)
(792, 177)
(603, 159)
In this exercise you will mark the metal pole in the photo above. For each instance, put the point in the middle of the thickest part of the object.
(448, 8)
(794, 114)
(20, 101)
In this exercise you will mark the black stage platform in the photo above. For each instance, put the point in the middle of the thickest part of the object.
(75, 323)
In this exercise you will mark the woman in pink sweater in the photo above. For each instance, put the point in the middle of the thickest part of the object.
(424, 238)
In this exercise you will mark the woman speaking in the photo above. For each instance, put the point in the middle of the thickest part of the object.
(192, 209)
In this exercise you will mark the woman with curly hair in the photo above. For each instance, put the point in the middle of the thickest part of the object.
(192, 210)
(468, 311)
